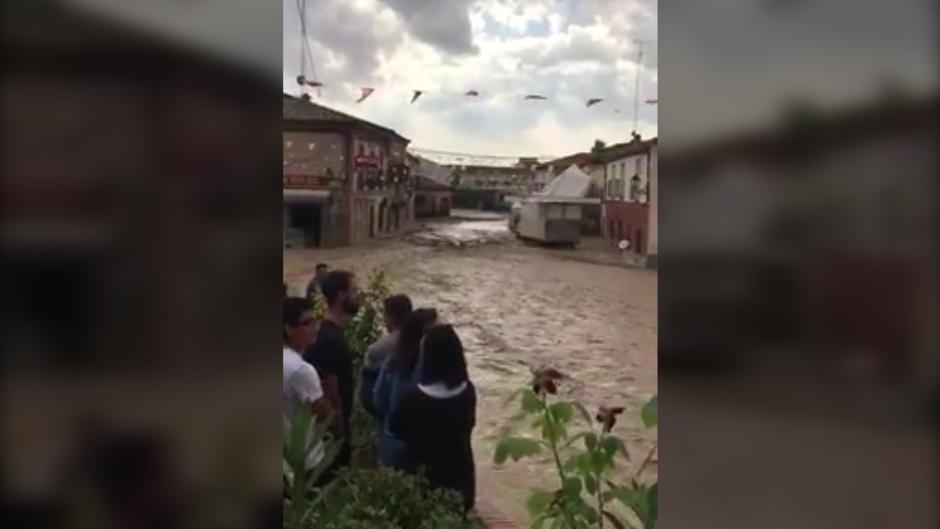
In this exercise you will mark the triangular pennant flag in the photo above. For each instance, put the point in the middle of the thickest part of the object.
(314, 84)
(417, 95)
(652, 101)
(535, 97)
(593, 101)
(472, 93)
(366, 92)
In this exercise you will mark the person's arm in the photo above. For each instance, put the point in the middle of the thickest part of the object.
(308, 388)
(331, 395)
(473, 406)
(323, 410)
(382, 394)
(369, 378)
(323, 357)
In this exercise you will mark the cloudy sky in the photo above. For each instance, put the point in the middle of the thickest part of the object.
(567, 50)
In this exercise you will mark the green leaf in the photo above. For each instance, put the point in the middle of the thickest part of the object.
(590, 441)
(590, 484)
(651, 504)
(530, 401)
(516, 448)
(610, 445)
(562, 412)
(553, 431)
(539, 502)
(650, 412)
(572, 487)
(501, 454)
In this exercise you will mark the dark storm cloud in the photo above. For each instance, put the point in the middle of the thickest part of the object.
(443, 24)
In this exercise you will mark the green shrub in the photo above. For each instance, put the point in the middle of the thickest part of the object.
(387, 499)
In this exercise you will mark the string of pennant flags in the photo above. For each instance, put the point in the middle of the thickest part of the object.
(366, 91)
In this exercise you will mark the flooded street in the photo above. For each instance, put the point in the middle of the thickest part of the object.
(517, 307)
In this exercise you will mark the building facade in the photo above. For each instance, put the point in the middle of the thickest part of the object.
(345, 180)
(629, 206)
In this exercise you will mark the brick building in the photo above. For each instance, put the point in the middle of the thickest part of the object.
(345, 180)
(629, 209)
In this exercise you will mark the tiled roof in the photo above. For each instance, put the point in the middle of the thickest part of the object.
(296, 109)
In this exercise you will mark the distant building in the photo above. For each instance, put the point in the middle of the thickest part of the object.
(345, 180)
(434, 191)
(486, 187)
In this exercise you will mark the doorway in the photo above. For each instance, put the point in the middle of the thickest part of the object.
(306, 219)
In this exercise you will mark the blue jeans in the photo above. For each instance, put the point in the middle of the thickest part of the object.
(392, 451)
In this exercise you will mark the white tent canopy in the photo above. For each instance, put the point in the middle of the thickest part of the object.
(572, 183)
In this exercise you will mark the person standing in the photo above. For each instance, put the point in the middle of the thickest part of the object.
(398, 376)
(396, 308)
(332, 357)
(436, 418)
(302, 387)
(313, 287)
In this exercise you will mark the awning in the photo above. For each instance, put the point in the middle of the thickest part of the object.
(306, 195)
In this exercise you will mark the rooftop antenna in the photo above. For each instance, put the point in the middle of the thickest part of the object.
(636, 86)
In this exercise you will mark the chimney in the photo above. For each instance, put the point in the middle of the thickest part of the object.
(635, 137)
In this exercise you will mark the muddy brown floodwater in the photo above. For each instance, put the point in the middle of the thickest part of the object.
(517, 307)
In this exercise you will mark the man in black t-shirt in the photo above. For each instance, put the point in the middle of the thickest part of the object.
(330, 354)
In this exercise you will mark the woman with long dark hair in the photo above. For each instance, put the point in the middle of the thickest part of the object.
(435, 419)
(398, 375)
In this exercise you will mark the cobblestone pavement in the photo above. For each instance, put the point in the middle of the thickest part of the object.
(517, 307)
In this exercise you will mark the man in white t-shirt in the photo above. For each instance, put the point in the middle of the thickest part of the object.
(301, 382)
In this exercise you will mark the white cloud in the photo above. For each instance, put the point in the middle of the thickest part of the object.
(568, 51)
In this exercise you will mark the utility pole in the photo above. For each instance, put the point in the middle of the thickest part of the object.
(636, 85)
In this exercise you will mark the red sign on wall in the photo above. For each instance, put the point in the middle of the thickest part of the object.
(367, 161)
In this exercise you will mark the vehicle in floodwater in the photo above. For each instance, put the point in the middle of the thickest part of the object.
(549, 220)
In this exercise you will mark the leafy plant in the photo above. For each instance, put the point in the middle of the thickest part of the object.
(308, 449)
(586, 478)
(387, 499)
